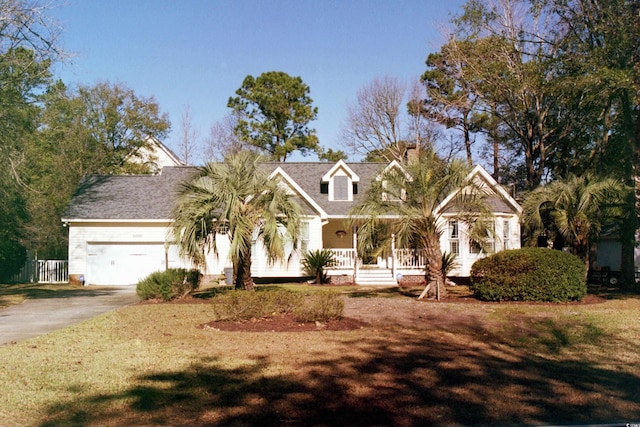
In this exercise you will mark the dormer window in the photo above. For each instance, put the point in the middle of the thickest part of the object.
(340, 183)
(340, 188)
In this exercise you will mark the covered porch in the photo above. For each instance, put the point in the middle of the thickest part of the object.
(380, 270)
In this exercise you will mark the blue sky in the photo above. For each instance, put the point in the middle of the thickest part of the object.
(197, 52)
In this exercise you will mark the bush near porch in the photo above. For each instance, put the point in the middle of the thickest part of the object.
(529, 274)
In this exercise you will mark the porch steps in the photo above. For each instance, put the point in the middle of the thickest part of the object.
(375, 276)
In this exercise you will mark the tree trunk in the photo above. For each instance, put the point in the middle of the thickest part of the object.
(433, 269)
(242, 273)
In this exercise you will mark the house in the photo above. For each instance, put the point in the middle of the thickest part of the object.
(154, 154)
(119, 226)
(608, 253)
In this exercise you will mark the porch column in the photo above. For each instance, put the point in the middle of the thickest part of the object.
(393, 255)
(355, 253)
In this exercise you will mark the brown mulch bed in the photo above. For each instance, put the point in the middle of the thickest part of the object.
(363, 312)
(284, 323)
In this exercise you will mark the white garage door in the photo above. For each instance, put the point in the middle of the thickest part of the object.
(122, 263)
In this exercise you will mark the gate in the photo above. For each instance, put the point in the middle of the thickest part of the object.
(52, 271)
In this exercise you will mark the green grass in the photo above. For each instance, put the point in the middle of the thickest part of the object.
(507, 364)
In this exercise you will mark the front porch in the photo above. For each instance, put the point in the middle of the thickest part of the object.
(384, 270)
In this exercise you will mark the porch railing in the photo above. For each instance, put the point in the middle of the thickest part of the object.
(409, 258)
(344, 258)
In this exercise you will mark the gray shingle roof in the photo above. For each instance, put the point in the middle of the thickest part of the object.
(152, 196)
(309, 175)
(127, 196)
(139, 197)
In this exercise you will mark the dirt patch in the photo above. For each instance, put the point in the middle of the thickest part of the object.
(284, 323)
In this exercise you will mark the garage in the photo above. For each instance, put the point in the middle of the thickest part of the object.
(122, 263)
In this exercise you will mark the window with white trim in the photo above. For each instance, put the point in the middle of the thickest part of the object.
(304, 237)
(489, 243)
(454, 242)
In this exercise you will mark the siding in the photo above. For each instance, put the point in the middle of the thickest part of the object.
(465, 258)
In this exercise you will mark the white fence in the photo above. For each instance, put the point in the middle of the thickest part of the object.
(43, 271)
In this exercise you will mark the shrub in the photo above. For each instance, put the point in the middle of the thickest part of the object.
(320, 307)
(529, 274)
(170, 284)
(245, 305)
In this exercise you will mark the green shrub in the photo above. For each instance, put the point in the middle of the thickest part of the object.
(529, 274)
(170, 284)
(320, 307)
(245, 305)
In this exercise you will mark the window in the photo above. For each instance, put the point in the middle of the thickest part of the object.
(454, 245)
(304, 237)
(506, 235)
(489, 245)
(393, 193)
(324, 188)
(340, 187)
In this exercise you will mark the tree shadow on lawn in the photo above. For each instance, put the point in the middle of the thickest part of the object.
(39, 291)
(404, 378)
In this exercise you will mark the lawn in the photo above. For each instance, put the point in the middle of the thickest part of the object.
(456, 363)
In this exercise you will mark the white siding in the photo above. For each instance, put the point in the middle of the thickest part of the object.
(465, 258)
(291, 266)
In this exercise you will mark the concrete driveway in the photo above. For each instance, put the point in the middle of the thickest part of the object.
(40, 316)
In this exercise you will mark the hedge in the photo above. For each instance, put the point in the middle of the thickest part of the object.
(529, 274)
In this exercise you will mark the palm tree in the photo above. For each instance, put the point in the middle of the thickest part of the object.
(235, 198)
(576, 209)
(316, 262)
(406, 203)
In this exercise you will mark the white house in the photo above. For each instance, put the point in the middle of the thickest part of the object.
(119, 226)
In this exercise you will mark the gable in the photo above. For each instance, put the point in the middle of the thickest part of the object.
(496, 196)
(155, 154)
(311, 178)
(308, 205)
